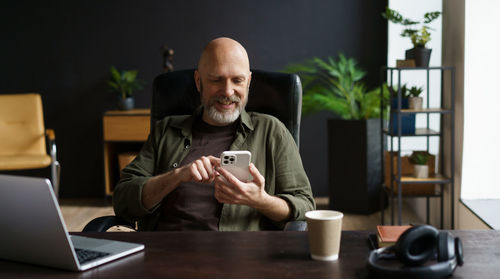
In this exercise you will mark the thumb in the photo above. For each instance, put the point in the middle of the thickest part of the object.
(257, 177)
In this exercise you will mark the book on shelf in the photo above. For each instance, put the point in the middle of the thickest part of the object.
(388, 235)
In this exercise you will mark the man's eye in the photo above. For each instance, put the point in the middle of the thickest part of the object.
(238, 81)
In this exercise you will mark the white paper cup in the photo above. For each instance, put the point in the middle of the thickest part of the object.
(324, 230)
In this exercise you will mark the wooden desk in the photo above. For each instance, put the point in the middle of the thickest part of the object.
(123, 131)
(252, 255)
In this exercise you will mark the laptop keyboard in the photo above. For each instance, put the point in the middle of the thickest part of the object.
(85, 256)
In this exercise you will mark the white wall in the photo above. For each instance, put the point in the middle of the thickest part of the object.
(481, 152)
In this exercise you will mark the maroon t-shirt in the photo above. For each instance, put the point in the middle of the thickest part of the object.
(192, 205)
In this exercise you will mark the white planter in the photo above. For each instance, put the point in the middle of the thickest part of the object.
(421, 171)
(415, 102)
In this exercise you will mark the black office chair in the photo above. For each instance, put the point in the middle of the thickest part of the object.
(175, 93)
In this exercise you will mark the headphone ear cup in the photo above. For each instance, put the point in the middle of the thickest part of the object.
(459, 251)
(417, 245)
(445, 247)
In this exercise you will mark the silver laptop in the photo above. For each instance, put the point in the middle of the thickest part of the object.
(32, 229)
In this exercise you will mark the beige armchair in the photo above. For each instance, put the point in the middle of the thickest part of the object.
(23, 137)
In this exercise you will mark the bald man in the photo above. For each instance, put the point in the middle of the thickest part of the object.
(197, 194)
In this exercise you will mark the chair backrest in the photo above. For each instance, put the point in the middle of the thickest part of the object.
(21, 125)
(277, 94)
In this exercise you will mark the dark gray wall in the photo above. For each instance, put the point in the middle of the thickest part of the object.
(63, 49)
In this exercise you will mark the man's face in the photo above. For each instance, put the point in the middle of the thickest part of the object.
(223, 82)
(223, 98)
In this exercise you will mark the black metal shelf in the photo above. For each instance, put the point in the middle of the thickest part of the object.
(419, 132)
(398, 180)
(418, 68)
(435, 179)
(423, 111)
(387, 190)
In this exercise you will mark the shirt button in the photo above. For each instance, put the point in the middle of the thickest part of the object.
(174, 165)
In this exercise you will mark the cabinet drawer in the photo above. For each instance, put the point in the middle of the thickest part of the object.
(126, 128)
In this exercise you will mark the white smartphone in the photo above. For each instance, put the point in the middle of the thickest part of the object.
(237, 162)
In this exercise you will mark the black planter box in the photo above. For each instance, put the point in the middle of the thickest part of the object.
(354, 165)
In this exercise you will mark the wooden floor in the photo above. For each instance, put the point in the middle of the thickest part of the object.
(78, 212)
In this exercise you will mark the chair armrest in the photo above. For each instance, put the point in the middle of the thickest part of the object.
(102, 224)
(51, 143)
(295, 226)
(51, 135)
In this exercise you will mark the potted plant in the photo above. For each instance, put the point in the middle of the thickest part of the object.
(354, 136)
(125, 83)
(419, 160)
(415, 101)
(417, 31)
(407, 120)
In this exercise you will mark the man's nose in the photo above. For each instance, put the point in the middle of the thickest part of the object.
(228, 88)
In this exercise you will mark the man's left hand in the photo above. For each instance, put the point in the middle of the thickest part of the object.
(229, 189)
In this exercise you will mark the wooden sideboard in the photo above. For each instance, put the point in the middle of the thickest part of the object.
(123, 132)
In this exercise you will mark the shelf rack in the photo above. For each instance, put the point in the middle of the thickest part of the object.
(398, 180)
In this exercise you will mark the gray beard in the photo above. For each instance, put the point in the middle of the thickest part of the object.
(223, 118)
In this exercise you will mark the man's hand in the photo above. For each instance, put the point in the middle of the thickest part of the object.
(157, 187)
(201, 170)
(228, 189)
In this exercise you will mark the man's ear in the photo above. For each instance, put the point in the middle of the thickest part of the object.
(197, 80)
(249, 80)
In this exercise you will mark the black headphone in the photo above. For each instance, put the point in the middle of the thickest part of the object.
(416, 246)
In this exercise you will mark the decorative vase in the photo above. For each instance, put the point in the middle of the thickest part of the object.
(126, 104)
(407, 120)
(415, 102)
(421, 171)
(421, 55)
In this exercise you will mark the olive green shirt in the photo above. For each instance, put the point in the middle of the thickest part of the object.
(274, 153)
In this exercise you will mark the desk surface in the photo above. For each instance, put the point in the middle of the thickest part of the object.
(252, 255)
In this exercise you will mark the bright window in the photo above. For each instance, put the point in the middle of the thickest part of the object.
(481, 150)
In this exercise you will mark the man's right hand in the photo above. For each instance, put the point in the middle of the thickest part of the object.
(201, 170)
(157, 187)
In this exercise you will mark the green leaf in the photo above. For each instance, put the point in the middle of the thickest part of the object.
(115, 75)
(407, 22)
(408, 32)
(392, 16)
(129, 76)
(113, 85)
(429, 17)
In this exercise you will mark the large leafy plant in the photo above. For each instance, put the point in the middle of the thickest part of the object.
(125, 82)
(336, 86)
(419, 36)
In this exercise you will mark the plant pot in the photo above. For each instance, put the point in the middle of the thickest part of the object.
(126, 104)
(354, 165)
(421, 55)
(415, 102)
(407, 120)
(421, 171)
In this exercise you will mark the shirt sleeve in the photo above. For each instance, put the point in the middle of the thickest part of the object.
(127, 195)
(292, 183)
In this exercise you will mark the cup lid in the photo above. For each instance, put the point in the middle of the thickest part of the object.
(324, 214)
